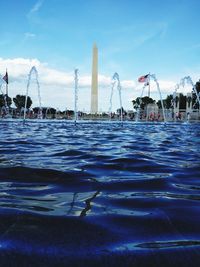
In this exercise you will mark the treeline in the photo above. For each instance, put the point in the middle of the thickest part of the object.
(19, 102)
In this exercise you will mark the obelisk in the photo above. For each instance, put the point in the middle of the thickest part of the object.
(94, 89)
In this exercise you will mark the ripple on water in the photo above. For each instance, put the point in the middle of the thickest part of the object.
(99, 189)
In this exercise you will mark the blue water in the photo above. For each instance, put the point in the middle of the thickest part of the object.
(99, 194)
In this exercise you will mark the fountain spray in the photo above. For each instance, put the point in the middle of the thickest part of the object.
(138, 110)
(115, 79)
(153, 76)
(2, 81)
(33, 70)
(187, 79)
(75, 94)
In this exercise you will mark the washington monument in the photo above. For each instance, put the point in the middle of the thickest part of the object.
(94, 89)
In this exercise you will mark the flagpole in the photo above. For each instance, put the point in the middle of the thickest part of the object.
(6, 80)
(6, 89)
(149, 85)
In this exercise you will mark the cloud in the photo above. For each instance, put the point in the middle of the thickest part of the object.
(19, 69)
(33, 13)
(57, 87)
(29, 35)
(36, 7)
(128, 84)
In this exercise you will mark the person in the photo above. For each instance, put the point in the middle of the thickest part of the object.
(151, 116)
(176, 116)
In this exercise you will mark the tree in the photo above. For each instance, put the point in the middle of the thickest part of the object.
(197, 85)
(142, 102)
(167, 102)
(182, 101)
(5, 99)
(52, 111)
(123, 111)
(195, 103)
(136, 102)
(19, 101)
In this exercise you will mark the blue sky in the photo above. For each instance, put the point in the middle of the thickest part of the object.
(133, 38)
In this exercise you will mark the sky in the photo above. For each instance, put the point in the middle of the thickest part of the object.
(133, 39)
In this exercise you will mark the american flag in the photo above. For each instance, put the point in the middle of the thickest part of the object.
(143, 79)
(5, 77)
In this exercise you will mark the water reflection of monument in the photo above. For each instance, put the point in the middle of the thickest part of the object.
(94, 88)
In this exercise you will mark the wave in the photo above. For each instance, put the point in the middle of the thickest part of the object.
(99, 193)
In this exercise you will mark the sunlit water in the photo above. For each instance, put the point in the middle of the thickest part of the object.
(99, 194)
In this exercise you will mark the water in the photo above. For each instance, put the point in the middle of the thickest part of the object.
(99, 194)
(75, 94)
(5, 108)
(153, 76)
(187, 80)
(147, 83)
(33, 71)
(116, 81)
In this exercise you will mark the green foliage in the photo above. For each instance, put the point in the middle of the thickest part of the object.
(142, 102)
(136, 103)
(167, 102)
(195, 103)
(182, 101)
(52, 111)
(123, 111)
(2, 100)
(36, 110)
(19, 101)
(197, 85)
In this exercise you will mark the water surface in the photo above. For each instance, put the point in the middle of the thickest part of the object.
(99, 194)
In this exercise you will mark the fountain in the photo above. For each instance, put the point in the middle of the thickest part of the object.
(46, 113)
(75, 95)
(58, 114)
(183, 82)
(153, 77)
(5, 108)
(139, 106)
(116, 80)
(188, 80)
(33, 71)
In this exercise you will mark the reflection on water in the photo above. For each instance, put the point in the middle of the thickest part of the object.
(99, 190)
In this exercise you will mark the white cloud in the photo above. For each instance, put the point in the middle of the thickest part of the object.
(18, 68)
(57, 87)
(33, 13)
(128, 84)
(29, 35)
(36, 7)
